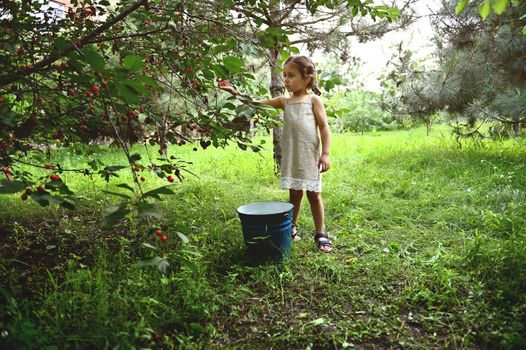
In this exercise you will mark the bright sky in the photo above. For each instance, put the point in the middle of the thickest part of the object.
(375, 54)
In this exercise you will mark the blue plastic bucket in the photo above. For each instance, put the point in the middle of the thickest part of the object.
(267, 229)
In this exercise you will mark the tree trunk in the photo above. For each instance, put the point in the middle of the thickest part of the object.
(277, 88)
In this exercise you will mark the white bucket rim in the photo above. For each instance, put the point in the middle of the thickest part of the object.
(265, 208)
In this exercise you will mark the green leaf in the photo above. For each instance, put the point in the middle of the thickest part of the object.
(136, 86)
(294, 50)
(284, 54)
(191, 252)
(231, 44)
(154, 261)
(60, 44)
(41, 198)
(122, 195)
(394, 13)
(7, 187)
(114, 214)
(161, 190)
(162, 264)
(524, 30)
(217, 49)
(135, 157)
(145, 80)
(183, 228)
(149, 209)
(500, 6)
(59, 186)
(127, 92)
(485, 9)
(208, 74)
(148, 246)
(220, 71)
(67, 205)
(229, 105)
(183, 237)
(94, 59)
(164, 267)
(133, 62)
(233, 64)
(461, 4)
(126, 186)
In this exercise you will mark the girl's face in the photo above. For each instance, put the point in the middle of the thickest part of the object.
(293, 80)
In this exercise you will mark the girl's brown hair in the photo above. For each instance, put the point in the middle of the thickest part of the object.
(306, 68)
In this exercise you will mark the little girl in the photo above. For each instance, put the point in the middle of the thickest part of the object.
(302, 163)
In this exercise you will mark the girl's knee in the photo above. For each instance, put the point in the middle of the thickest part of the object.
(296, 195)
(314, 197)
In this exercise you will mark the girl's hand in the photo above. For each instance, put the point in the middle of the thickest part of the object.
(324, 163)
(224, 85)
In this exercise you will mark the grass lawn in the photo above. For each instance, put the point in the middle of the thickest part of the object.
(430, 252)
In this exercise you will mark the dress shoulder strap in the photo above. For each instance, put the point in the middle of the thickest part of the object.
(310, 98)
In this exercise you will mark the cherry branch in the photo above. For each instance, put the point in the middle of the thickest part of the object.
(21, 73)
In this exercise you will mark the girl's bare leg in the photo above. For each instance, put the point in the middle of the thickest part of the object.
(295, 199)
(317, 210)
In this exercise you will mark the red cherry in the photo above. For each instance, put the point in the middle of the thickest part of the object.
(58, 135)
(21, 51)
(72, 92)
(54, 177)
(188, 70)
(48, 166)
(95, 89)
(4, 145)
(10, 137)
(2, 100)
(170, 178)
(29, 191)
(24, 197)
(143, 178)
(40, 188)
(164, 238)
(159, 233)
(104, 84)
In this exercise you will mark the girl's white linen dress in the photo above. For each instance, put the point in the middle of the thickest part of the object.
(300, 147)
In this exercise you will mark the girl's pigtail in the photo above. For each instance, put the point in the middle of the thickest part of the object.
(314, 85)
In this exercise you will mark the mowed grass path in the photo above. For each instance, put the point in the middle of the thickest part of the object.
(430, 252)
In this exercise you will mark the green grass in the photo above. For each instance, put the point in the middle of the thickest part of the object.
(430, 252)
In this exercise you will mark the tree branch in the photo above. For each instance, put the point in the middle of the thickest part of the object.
(86, 39)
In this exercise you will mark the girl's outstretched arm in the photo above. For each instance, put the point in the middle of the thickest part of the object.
(321, 118)
(276, 102)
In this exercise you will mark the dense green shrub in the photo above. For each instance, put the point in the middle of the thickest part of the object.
(359, 110)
